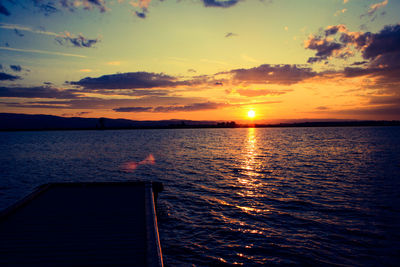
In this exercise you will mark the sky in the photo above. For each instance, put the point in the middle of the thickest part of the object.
(201, 59)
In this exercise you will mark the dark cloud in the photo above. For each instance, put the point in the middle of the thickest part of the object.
(46, 7)
(8, 77)
(357, 63)
(173, 108)
(382, 48)
(230, 34)
(87, 4)
(130, 80)
(221, 3)
(141, 15)
(132, 92)
(381, 52)
(37, 92)
(133, 109)
(383, 44)
(18, 33)
(192, 70)
(324, 48)
(3, 10)
(1, 67)
(76, 40)
(191, 107)
(16, 68)
(332, 30)
(273, 74)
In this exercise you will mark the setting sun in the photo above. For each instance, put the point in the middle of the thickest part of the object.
(251, 114)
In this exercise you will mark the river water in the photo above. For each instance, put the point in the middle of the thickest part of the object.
(263, 196)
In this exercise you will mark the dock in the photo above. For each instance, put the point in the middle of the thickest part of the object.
(83, 224)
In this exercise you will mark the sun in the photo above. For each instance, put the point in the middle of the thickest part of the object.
(251, 114)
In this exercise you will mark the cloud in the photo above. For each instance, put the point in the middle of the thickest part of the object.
(37, 92)
(85, 70)
(336, 41)
(380, 51)
(325, 48)
(18, 28)
(133, 109)
(191, 107)
(72, 5)
(114, 63)
(140, 3)
(18, 33)
(99, 103)
(3, 10)
(143, 5)
(260, 92)
(272, 74)
(221, 3)
(8, 77)
(384, 45)
(141, 15)
(16, 68)
(76, 40)
(339, 12)
(47, 8)
(374, 8)
(230, 34)
(130, 80)
(40, 52)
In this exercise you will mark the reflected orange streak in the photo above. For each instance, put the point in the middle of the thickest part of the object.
(131, 166)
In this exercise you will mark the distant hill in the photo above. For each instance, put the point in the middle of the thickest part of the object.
(17, 122)
(12, 121)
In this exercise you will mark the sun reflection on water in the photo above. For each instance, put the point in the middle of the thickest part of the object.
(248, 179)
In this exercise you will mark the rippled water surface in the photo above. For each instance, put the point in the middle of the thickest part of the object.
(282, 196)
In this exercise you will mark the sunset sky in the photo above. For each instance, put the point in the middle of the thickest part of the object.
(201, 59)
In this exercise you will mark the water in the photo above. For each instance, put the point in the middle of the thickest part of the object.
(284, 196)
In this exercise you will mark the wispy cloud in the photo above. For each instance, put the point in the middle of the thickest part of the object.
(76, 40)
(260, 92)
(134, 109)
(16, 68)
(174, 108)
(230, 34)
(374, 8)
(339, 12)
(41, 52)
(37, 92)
(17, 27)
(8, 77)
(272, 74)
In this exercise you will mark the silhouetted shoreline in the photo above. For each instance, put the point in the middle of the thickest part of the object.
(25, 122)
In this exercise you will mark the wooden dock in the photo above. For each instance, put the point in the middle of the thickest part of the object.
(83, 224)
